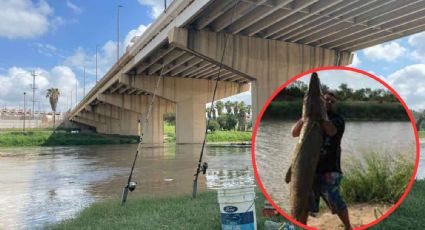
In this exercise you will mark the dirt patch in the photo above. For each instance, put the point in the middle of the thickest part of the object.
(360, 214)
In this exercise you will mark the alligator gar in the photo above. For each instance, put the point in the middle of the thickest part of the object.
(307, 151)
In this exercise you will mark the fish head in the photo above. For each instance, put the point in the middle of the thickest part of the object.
(313, 103)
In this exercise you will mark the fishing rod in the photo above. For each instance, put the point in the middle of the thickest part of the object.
(131, 185)
(202, 167)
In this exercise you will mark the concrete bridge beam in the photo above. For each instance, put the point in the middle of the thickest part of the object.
(267, 63)
(127, 110)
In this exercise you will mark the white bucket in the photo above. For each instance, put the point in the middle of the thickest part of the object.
(237, 208)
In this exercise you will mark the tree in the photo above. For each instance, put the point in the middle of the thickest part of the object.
(235, 107)
(228, 106)
(53, 95)
(208, 110)
(219, 106)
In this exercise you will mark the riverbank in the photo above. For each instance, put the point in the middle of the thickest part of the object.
(212, 137)
(350, 110)
(46, 137)
(203, 213)
(157, 213)
(61, 138)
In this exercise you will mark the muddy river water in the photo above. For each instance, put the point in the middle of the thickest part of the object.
(43, 185)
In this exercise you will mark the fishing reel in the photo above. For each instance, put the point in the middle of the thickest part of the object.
(132, 186)
(204, 168)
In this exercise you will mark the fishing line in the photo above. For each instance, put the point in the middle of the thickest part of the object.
(130, 184)
(202, 167)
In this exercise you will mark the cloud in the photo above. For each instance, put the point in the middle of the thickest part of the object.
(18, 80)
(387, 52)
(47, 49)
(417, 42)
(106, 59)
(409, 82)
(24, 19)
(76, 9)
(128, 41)
(157, 6)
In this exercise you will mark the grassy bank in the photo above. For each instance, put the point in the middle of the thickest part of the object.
(351, 110)
(48, 138)
(160, 213)
(217, 136)
(410, 214)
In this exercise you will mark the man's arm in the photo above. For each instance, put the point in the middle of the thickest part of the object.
(328, 127)
(296, 129)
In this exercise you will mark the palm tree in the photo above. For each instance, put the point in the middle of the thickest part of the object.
(53, 95)
(242, 116)
(228, 106)
(208, 110)
(219, 105)
(235, 107)
(248, 110)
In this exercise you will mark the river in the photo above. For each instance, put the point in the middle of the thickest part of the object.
(43, 185)
(274, 147)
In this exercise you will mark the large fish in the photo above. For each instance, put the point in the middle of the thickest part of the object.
(307, 151)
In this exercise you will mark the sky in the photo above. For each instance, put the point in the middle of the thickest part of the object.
(58, 39)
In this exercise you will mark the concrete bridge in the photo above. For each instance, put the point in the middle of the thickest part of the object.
(269, 41)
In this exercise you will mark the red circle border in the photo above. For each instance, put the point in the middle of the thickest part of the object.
(260, 115)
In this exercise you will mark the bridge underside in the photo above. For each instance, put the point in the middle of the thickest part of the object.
(268, 42)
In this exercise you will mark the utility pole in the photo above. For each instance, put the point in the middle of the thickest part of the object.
(118, 33)
(165, 6)
(25, 105)
(33, 92)
(96, 61)
(84, 83)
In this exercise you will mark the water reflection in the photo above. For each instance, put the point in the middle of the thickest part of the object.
(45, 185)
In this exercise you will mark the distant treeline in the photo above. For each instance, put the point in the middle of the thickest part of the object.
(296, 91)
(355, 105)
(350, 110)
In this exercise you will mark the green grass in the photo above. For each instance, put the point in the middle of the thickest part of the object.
(410, 214)
(229, 136)
(157, 213)
(377, 178)
(48, 138)
(169, 132)
(421, 134)
(217, 136)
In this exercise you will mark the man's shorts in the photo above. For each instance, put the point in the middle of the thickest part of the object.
(326, 185)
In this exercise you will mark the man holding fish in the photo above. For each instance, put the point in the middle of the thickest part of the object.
(319, 147)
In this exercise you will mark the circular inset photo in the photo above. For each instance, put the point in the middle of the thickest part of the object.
(335, 148)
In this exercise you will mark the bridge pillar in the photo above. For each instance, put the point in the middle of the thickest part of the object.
(190, 121)
(128, 109)
(267, 63)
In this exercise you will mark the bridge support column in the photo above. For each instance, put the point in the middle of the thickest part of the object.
(131, 108)
(267, 63)
(190, 121)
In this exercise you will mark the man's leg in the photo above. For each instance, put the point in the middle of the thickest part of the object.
(330, 183)
(345, 218)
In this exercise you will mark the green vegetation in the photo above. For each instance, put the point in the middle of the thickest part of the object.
(229, 136)
(421, 134)
(409, 215)
(157, 213)
(48, 138)
(216, 136)
(350, 110)
(377, 178)
(354, 105)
